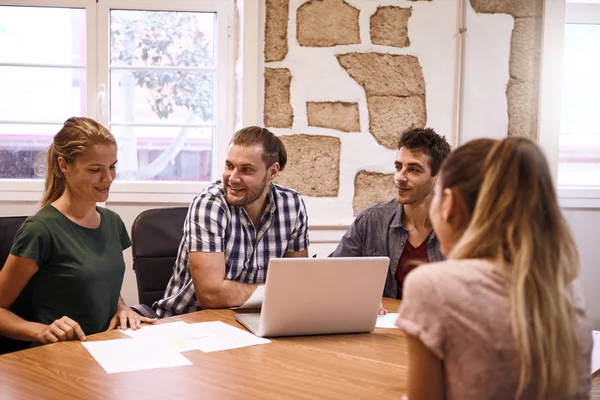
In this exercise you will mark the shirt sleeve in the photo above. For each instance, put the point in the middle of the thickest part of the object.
(205, 224)
(124, 236)
(299, 237)
(33, 241)
(422, 311)
(351, 243)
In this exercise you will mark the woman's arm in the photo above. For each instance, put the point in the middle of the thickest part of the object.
(15, 274)
(425, 372)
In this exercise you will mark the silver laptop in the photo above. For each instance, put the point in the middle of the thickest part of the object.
(314, 296)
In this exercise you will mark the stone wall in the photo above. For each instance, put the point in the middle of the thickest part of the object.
(344, 78)
(522, 90)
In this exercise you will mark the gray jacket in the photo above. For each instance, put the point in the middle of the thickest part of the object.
(378, 231)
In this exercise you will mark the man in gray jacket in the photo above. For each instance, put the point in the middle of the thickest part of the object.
(400, 228)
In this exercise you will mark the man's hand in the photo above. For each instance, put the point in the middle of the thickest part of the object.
(382, 311)
(60, 330)
(125, 317)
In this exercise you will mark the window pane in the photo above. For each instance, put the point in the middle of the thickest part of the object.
(42, 35)
(156, 153)
(22, 148)
(41, 94)
(579, 148)
(162, 73)
(162, 38)
(155, 96)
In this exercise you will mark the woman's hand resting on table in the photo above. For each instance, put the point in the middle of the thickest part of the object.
(60, 330)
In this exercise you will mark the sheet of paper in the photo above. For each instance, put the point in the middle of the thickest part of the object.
(387, 321)
(221, 336)
(596, 351)
(255, 300)
(122, 355)
(154, 329)
(204, 336)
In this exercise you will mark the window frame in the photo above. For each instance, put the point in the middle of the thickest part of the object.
(97, 73)
(558, 13)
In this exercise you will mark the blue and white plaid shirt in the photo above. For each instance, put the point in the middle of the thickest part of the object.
(212, 225)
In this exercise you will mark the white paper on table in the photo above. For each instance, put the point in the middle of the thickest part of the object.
(255, 300)
(122, 355)
(204, 336)
(387, 321)
(154, 329)
(221, 336)
(596, 351)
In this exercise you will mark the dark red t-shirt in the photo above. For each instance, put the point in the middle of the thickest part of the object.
(411, 258)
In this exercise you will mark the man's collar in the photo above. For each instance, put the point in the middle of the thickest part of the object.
(271, 197)
(397, 221)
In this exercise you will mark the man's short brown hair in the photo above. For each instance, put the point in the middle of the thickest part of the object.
(427, 141)
(273, 148)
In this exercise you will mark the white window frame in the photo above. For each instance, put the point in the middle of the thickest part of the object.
(98, 53)
(32, 189)
(557, 13)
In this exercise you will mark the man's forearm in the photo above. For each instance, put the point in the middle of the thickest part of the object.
(227, 294)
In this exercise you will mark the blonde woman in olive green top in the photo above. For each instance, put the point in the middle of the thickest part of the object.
(71, 251)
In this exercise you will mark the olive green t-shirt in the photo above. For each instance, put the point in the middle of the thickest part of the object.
(80, 269)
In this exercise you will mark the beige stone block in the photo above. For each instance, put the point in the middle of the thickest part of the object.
(390, 116)
(525, 49)
(371, 188)
(524, 65)
(326, 23)
(278, 110)
(516, 8)
(336, 115)
(389, 26)
(522, 108)
(276, 24)
(382, 74)
(522, 92)
(313, 167)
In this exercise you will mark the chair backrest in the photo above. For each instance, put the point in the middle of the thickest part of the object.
(8, 229)
(22, 305)
(155, 238)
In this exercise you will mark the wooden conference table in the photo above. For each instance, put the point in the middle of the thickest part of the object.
(353, 366)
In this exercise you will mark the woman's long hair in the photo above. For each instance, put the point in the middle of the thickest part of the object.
(515, 220)
(77, 135)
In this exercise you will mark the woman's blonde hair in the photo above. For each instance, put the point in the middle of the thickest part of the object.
(77, 135)
(516, 221)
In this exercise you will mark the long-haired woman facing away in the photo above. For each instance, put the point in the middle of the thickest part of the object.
(501, 318)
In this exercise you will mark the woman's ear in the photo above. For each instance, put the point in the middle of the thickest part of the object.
(63, 165)
(452, 208)
(448, 201)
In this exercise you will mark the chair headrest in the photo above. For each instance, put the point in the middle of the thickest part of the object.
(157, 232)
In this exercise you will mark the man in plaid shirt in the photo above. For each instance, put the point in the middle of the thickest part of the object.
(234, 227)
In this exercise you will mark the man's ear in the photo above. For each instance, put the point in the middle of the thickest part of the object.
(273, 171)
(63, 165)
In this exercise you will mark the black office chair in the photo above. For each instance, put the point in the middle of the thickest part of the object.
(155, 238)
(22, 305)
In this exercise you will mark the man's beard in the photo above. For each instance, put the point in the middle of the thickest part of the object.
(250, 195)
